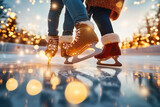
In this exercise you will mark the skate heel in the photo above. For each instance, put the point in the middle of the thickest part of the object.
(117, 63)
(64, 47)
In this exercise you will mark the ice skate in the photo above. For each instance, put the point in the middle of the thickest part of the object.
(52, 47)
(110, 50)
(85, 38)
(64, 44)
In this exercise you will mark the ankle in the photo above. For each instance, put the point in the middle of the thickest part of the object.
(88, 23)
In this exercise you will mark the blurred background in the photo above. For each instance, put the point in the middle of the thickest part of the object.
(25, 22)
(27, 81)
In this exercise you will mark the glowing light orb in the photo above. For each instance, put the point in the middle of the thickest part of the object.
(28, 9)
(1, 81)
(119, 4)
(144, 91)
(30, 71)
(13, 15)
(34, 87)
(54, 6)
(21, 53)
(42, 53)
(55, 81)
(11, 84)
(18, 1)
(76, 92)
(38, 17)
(36, 47)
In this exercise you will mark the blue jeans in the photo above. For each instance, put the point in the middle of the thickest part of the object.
(77, 10)
(102, 18)
(53, 19)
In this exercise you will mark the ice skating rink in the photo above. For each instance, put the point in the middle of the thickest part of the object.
(27, 81)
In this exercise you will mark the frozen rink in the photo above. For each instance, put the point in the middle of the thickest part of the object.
(135, 84)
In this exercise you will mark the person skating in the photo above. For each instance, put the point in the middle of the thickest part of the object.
(102, 11)
(53, 38)
(85, 35)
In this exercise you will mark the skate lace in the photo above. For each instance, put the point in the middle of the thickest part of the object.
(76, 38)
(52, 44)
(65, 45)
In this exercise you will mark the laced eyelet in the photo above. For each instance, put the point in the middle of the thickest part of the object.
(52, 44)
(76, 38)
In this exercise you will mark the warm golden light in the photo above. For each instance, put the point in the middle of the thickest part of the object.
(76, 92)
(144, 91)
(34, 87)
(55, 81)
(30, 71)
(1, 81)
(119, 4)
(12, 15)
(54, 6)
(36, 47)
(11, 84)
(42, 53)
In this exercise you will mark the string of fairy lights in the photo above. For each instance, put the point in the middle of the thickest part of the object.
(152, 34)
(10, 33)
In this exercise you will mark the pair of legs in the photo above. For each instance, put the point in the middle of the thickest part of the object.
(78, 15)
(56, 7)
(85, 35)
(53, 19)
(109, 39)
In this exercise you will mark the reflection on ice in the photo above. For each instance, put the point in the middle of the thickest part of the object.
(76, 92)
(34, 87)
(40, 85)
(60, 86)
(11, 84)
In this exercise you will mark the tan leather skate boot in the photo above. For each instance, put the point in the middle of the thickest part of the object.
(85, 38)
(52, 47)
(64, 42)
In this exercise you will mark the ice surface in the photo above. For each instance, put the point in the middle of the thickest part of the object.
(136, 84)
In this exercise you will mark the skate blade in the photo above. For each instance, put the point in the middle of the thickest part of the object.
(66, 61)
(49, 60)
(110, 65)
(116, 64)
(96, 52)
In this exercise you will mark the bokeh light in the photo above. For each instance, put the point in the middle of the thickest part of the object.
(76, 92)
(55, 80)
(34, 87)
(144, 91)
(11, 84)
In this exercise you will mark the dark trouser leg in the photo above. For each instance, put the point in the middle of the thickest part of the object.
(68, 24)
(53, 17)
(101, 17)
